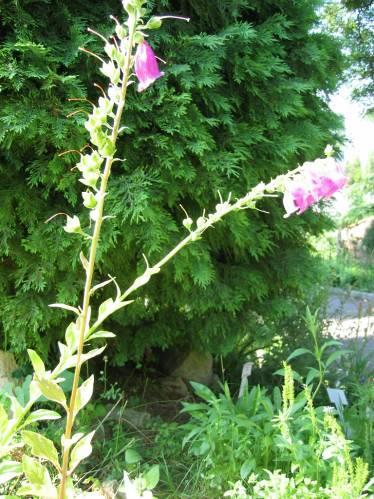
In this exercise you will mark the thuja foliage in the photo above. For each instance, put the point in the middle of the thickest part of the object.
(243, 99)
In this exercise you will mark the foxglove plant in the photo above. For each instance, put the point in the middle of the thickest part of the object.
(127, 50)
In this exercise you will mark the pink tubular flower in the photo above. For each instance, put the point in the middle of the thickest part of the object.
(320, 179)
(146, 66)
(297, 197)
(327, 177)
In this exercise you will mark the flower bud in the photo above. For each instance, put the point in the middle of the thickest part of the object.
(200, 222)
(187, 222)
(154, 23)
(90, 178)
(73, 225)
(108, 149)
(89, 200)
(121, 31)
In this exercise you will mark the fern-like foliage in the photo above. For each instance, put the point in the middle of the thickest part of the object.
(243, 99)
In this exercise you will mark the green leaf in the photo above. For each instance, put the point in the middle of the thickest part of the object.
(247, 467)
(335, 356)
(41, 415)
(330, 343)
(72, 361)
(203, 391)
(105, 308)
(312, 374)
(36, 474)
(298, 352)
(71, 336)
(36, 362)
(52, 391)
(65, 307)
(84, 394)
(152, 477)
(41, 446)
(9, 470)
(43, 491)
(80, 451)
(132, 456)
(102, 334)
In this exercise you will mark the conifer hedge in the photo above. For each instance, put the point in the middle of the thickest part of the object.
(243, 99)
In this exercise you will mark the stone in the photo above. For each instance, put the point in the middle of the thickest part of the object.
(173, 388)
(196, 366)
(7, 367)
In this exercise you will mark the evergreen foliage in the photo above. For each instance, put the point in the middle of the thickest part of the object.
(244, 98)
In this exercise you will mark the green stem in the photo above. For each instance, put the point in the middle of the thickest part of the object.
(91, 264)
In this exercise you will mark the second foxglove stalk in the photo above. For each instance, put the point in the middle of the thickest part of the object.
(320, 179)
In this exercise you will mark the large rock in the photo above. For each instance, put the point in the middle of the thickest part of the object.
(7, 367)
(195, 366)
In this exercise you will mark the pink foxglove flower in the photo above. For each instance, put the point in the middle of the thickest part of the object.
(297, 197)
(320, 179)
(328, 177)
(146, 66)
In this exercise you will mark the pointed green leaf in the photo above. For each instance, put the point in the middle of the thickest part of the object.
(298, 352)
(41, 415)
(41, 446)
(247, 467)
(331, 343)
(85, 357)
(84, 394)
(35, 472)
(52, 391)
(102, 334)
(312, 374)
(71, 336)
(335, 356)
(80, 451)
(43, 491)
(9, 470)
(152, 477)
(36, 362)
(132, 456)
(65, 307)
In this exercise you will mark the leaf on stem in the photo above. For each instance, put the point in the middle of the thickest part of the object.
(81, 450)
(41, 447)
(40, 483)
(65, 307)
(36, 362)
(84, 394)
(52, 391)
(41, 415)
(9, 470)
(298, 352)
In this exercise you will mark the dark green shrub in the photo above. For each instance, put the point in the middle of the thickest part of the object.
(243, 99)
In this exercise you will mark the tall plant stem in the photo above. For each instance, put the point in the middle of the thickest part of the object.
(91, 263)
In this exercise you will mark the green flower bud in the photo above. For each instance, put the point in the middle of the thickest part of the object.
(121, 31)
(89, 200)
(187, 222)
(73, 225)
(111, 71)
(110, 50)
(138, 37)
(90, 178)
(200, 222)
(108, 149)
(154, 23)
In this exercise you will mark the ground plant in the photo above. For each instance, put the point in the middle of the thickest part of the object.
(50, 470)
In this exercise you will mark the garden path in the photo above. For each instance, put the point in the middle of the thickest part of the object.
(351, 315)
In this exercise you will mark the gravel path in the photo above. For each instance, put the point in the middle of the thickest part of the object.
(351, 315)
